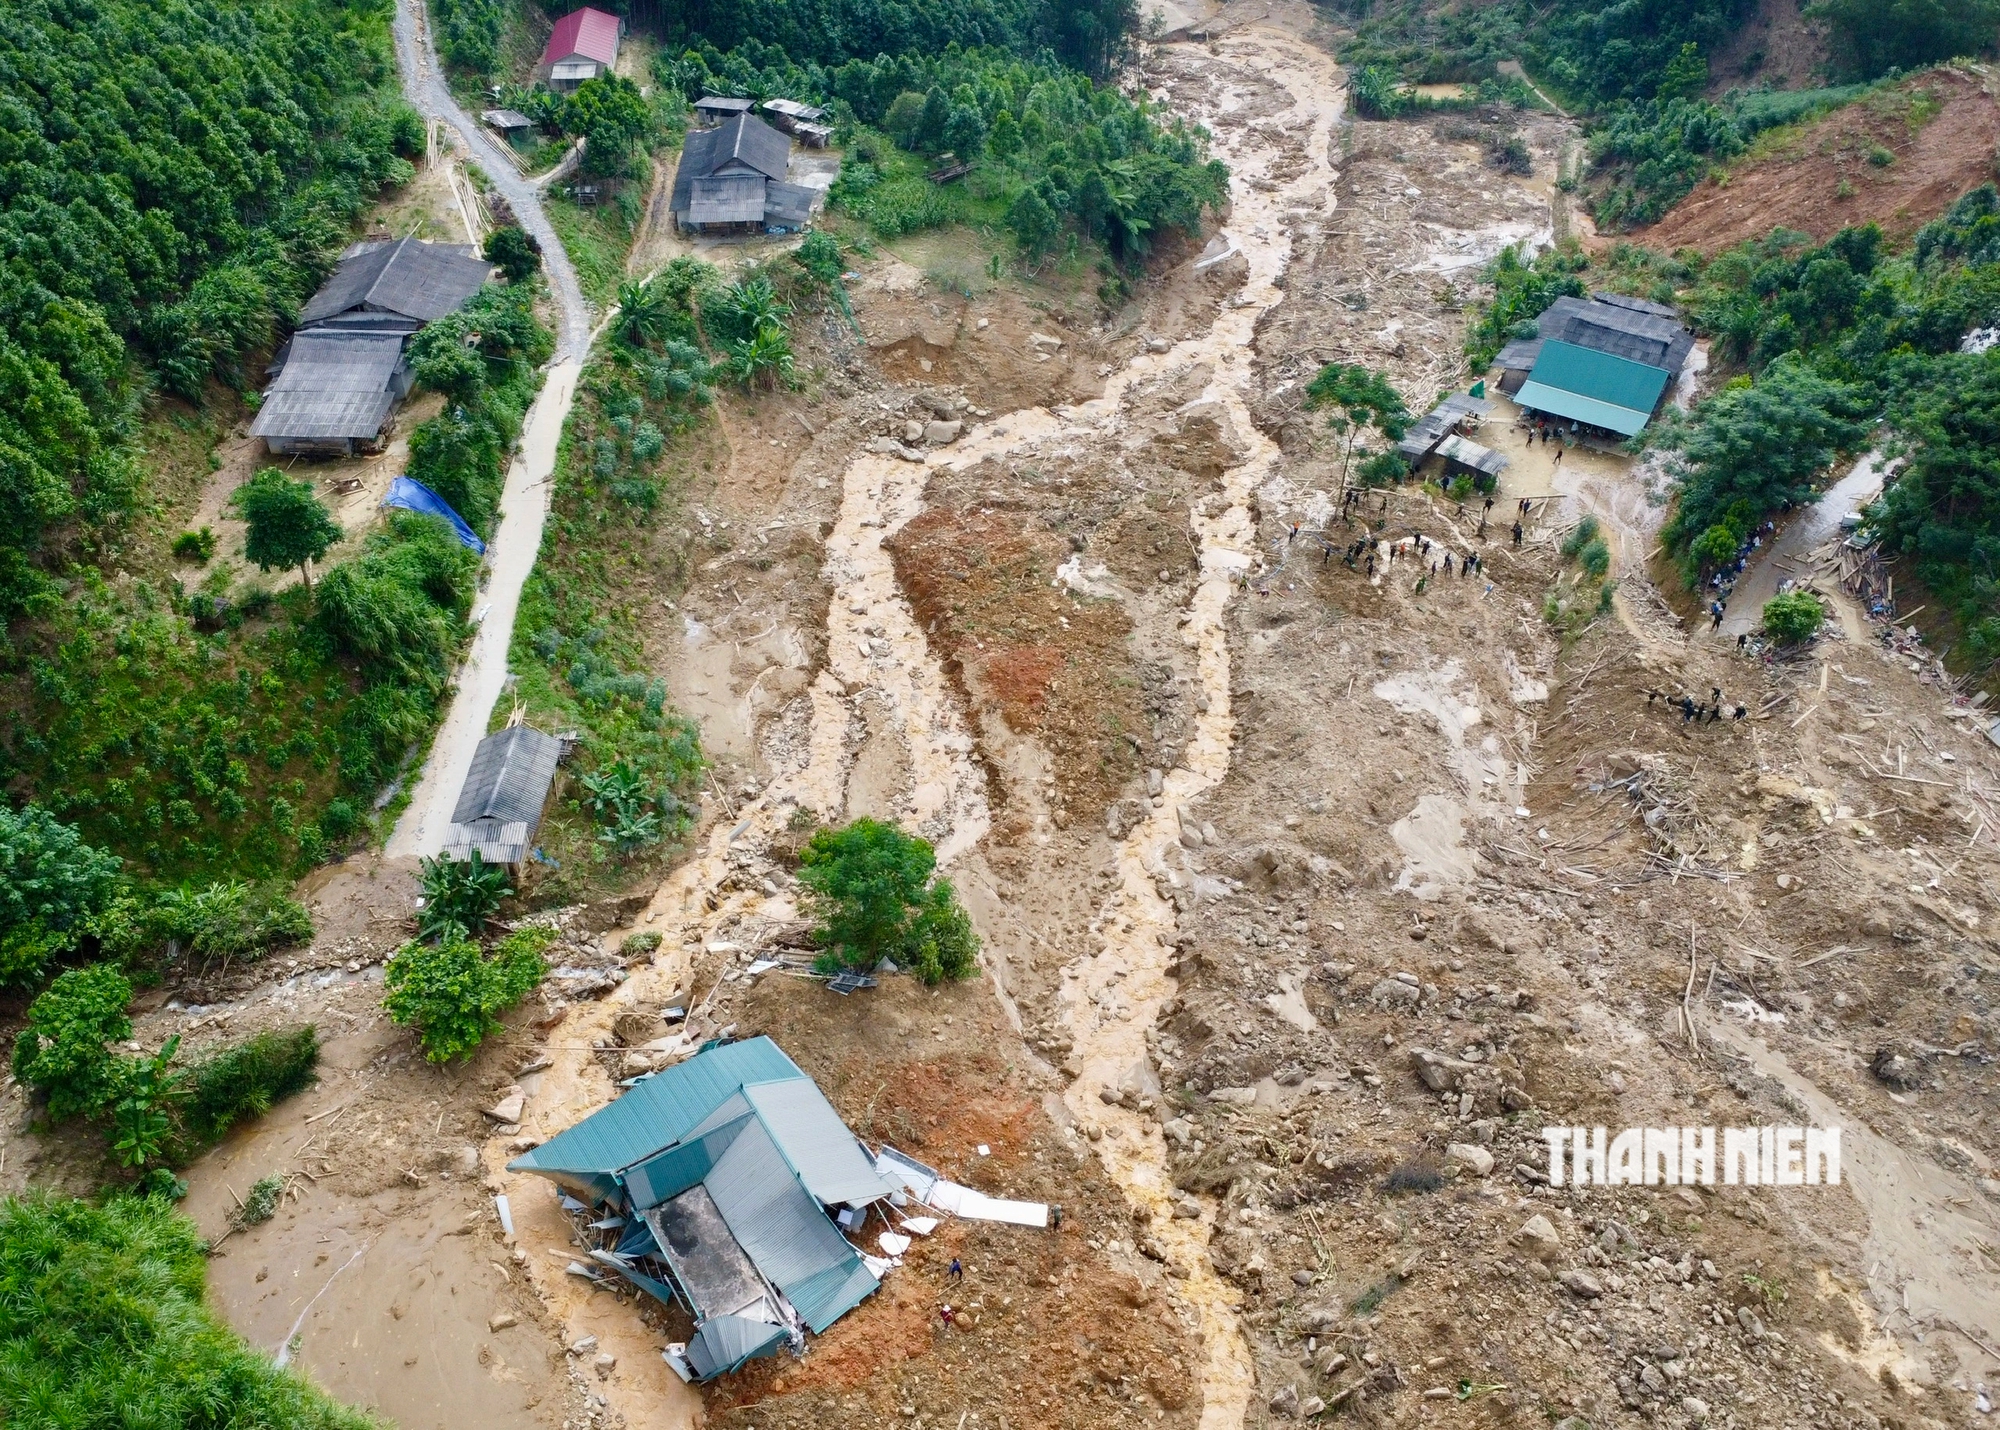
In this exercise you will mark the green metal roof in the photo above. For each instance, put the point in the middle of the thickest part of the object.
(1594, 387)
(827, 1157)
(659, 1111)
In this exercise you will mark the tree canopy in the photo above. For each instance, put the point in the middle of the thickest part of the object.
(289, 526)
(1872, 37)
(873, 889)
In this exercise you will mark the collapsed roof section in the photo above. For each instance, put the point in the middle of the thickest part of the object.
(728, 1163)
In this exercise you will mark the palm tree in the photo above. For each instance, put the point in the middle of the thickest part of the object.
(644, 314)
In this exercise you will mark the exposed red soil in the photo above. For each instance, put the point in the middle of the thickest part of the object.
(1822, 179)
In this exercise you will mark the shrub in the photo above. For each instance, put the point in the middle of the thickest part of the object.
(452, 993)
(53, 890)
(62, 1051)
(871, 886)
(288, 525)
(141, 1115)
(513, 250)
(104, 1324)
(1580, 536)
(1793, 617)
(195, 546)
(225, 919)
(637, 945)
(246, 1080)
(459, 894)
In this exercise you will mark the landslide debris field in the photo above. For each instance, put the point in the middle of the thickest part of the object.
(1308, 898)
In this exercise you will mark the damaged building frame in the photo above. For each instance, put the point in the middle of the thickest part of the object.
(723, 1170)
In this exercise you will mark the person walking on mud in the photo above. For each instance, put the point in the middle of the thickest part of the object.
(1517, 533)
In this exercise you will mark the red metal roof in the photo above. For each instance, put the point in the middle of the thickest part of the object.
(588, 33)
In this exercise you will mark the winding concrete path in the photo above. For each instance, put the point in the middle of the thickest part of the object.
(524, 501)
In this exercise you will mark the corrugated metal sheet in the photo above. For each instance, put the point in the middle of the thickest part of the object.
(322, 416)
(727, 1342)
(586, 34)
(419, 280)
(735, 198)
(666, 1175)
(659, 1111)
(792, 109)
(721, 104)
(828, 1158)
(1622, 420)
(1636, 334)
(783, 1229)
(1427, 431)
(749, 140)
(506, 120)
(497, 843)
(509, 778)
(1621, 392)
(789, 204)
(1485, 460)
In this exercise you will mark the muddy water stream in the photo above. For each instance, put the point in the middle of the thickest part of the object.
(880, 664)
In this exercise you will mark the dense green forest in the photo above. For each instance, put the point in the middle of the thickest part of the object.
(176, 177)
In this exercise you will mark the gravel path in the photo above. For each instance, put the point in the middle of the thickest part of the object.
(524, 502)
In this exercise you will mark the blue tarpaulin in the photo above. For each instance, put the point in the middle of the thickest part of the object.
(413, 495)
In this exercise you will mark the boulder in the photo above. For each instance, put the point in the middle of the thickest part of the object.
(939, 434)
(510, 1107)
(1438, 1072)
(1538, 1238)
(1474, 1159)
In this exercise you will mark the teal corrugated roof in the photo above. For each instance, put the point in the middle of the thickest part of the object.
(782, 1229)
(816, 1143)
(658, 1111)
(1576, 382)
(726, 1342)
(1553, 400)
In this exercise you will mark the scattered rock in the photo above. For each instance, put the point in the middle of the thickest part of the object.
(1286, 1402)
(1581, 1283)
(1439, 1073)
(1475, 1159)
(940, 434)
(502, 1321)
(509, 1108)
(1538, 1238)
(1897, 1068)
(1394, 993)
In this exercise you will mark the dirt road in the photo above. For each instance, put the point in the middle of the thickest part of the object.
(524, 500)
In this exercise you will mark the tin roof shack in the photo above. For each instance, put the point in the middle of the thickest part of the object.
(583, 45)
(1455, 414)
(1597, 389)
(719, 1173)
(500, 805)
(731, 179)
(714, 109)
(340, 377)
(801, 121)
(1629, 328)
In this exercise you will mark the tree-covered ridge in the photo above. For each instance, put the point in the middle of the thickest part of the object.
(176, 176)
(1053, 149)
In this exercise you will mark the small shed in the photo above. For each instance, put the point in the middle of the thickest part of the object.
(713, 109)
(507, 121)
(500, 805)
(789, 114)
(1432, 428)
(583, 46)
(1481, 462)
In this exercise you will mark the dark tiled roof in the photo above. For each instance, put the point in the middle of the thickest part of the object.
(732, 198)
(334, 385)
(1633, 333)
(419, 280)
(790, 204)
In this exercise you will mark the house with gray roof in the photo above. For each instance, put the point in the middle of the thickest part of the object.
(1612, 323)
(500, 804)
(731, 179)
(718, 1181)
(339, 379)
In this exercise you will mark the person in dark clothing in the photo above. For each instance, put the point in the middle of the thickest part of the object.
(1743, 643)
(957, 1270)
(1517, 533)
(1687, 708)
(1371, 563)
(1741, 711)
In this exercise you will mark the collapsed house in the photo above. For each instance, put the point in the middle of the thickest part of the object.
(339, 378)
(731, 179)
(1442, 432)
(727, 1182)
(723, 1168)
(1580, 363)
